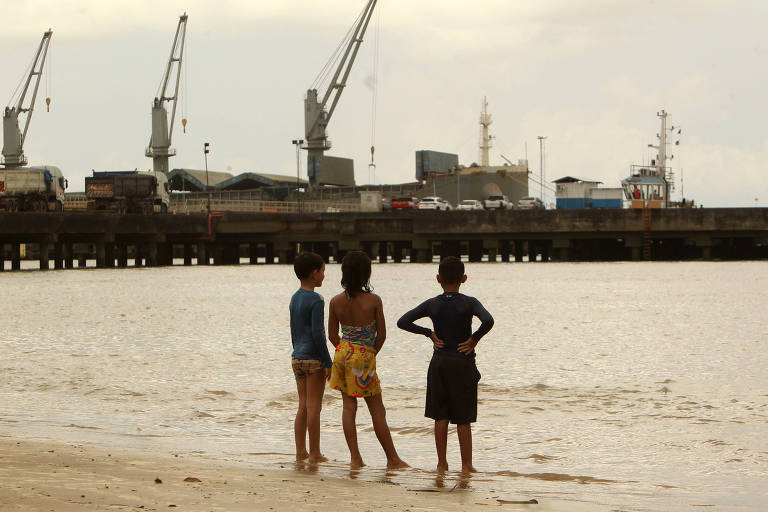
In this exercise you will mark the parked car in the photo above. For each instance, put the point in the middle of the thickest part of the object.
(405, 203)
(530, 203)
(470, 204)
(434, 203)
(497, 203)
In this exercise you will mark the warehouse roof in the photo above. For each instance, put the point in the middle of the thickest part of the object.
(194, 180)
(571, 179)
(251, 180)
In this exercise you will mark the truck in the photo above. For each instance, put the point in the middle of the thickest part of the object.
(32, 189)
(127, 192)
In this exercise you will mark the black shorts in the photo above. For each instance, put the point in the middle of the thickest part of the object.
(452, 389)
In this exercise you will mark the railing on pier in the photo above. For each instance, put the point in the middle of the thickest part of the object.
(75, 203)
(78, 202)
(197, 205)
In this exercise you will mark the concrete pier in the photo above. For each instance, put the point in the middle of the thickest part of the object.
(110, 240)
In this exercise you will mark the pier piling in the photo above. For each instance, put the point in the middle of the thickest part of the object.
(546, 235)
(16, 256)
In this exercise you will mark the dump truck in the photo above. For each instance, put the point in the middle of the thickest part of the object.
(127, 192)
(32, 189)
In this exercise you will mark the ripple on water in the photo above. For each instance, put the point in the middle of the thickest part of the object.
(556, 477)
(219, 393)
(599, 400)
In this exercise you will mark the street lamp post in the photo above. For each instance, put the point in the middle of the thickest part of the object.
(207, 185)
(541, 167)
(298, 143)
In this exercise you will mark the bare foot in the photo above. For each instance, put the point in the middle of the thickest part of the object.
(468, 469)
(356, 463)
(441, 468)
(317, 458)
(397, 464)
(302, 456)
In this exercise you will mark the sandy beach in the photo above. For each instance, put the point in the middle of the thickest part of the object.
(55, 476)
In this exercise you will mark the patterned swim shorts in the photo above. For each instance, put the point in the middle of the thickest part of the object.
(354, 370)
(306, 367)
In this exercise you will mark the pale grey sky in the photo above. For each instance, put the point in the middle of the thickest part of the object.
(588, 74)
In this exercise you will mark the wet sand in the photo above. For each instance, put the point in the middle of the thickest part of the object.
(62, 477)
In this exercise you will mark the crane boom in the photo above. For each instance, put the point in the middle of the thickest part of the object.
(159, 148)
(13, 137)
(316, 117)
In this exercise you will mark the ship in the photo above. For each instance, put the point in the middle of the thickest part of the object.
(440, 174)
(651, 186)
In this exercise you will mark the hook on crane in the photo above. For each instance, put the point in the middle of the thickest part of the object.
(372, 166)
(47, 104)
(184, 124)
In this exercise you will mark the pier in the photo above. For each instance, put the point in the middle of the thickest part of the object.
(71, 240)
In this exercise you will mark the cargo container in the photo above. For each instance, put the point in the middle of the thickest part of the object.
(577, 194)
(127, 192)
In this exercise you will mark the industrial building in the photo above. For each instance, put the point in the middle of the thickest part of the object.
(578, 194)
(434, 162)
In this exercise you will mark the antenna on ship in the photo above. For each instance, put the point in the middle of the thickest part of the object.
(486, 141)
(662, 171)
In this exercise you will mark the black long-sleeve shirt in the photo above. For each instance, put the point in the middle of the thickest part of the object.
(451, 314)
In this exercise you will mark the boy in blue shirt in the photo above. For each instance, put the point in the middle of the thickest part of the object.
(452, 376)
(310, 359)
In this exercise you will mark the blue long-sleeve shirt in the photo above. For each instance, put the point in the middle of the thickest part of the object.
(307, 327)
(451, 314)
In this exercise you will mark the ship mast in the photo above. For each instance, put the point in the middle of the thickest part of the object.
(662, 171)
(486, 141)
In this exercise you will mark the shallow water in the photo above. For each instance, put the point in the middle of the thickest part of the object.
(637, 385)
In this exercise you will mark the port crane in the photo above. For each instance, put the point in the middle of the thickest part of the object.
(13, 137)
(159, 149)
(317, 114)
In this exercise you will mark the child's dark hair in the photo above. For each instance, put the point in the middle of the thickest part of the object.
(451, 270)
(356, 273)
(305, 263)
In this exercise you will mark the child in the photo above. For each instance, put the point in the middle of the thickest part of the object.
(310, 359)
(452, 376)
(361, 317)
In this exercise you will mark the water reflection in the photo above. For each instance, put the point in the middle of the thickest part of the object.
(632, 384)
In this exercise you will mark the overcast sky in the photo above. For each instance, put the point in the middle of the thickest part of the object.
(589, 75)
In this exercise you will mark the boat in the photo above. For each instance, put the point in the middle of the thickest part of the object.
(650, 186)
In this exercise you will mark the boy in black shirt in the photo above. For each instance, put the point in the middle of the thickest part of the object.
(452, 377)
